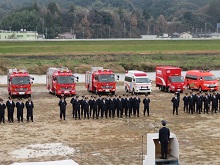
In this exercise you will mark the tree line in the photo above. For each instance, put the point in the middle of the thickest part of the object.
(117, 20)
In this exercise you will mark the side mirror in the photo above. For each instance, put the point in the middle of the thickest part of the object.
(77, 79)
(32, 78)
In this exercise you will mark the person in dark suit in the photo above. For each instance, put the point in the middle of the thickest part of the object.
(94, 108)
(119, 107)
(72, 101)
(62, 103)
(214, 101)
(20, 109)
(186, 103)
(2, 111)
(146, 103)
(29, 106)
(86, 108)
(10, 107)
(198, 103)
(164, 135)
(104, 108)
(190, 99)
(206, 103)
(76, 107)
(175, 102)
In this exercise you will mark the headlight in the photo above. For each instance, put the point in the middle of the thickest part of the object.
(173, 87)
(206, 85)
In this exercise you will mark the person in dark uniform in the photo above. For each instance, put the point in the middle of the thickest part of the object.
(2, 111)
(86, 107)
(131, 105)
(194, 101)
(20, 110)
(175, 102)
(127, 106)
(115, 101)
(99, 103)
(164, 135)
(10, 107)
(198, 103)
(90, 101)
(214, 101)
(111, 107)
(94, 108)
(104, 108)
(137, 104)
(30, 107)
(190, 103)
(76, 107)
(186, 103)
(72, 101)
(206, 104)
(62, 103)
(146, 103)
(119, 107)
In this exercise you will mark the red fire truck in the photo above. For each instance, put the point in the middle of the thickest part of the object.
(169, 79)
(100, 80)
(19, 82)
(61, 81)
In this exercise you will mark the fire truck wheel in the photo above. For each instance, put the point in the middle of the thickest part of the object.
(88, 88)
(113, 93)
(29, 95)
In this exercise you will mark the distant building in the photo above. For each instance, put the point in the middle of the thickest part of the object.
(149, 36)
(21, 35)
(215, 35)
(175, 35)
(67, 36)
(185, 35)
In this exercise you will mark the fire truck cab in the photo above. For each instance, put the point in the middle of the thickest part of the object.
(61, 81)
(100, 80)
(19, 82)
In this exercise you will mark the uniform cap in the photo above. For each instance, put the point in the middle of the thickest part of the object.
(163, 122)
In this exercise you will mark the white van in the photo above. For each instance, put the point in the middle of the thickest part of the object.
(137, 82)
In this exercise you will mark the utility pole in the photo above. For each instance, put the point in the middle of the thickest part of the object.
(124, 30)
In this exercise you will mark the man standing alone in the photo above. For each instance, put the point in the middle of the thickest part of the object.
(164, 135)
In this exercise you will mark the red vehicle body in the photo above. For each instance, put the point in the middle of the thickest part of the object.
(19, 82)
(60, 81)
(201, 80)
(100, 80)
(169, 79)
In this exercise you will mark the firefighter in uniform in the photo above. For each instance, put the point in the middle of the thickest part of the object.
(190, 98)
(94, 108)
(137, 105)
(2, 111)
(99, 103)
(72, 101)
(175, 102)
(86, 107)
(20, 110)
(76, 106)
(127, 106)
(104, 108)
(131, 105)
(186, 103)
(30, 107)
(146, 103)
(206, 104)
(119, 107)
(115, 102)
(198, 103)
(91, 101)
(10, 107)
(214, 100)
(62, 103)
(111, 107)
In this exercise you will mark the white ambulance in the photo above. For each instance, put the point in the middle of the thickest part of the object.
(137, 82)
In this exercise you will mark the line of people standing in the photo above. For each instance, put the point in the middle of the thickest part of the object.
(104, 107)
(198, 103)
(19, 105)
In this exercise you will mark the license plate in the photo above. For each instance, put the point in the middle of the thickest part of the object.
(107, 90)
(21, 93)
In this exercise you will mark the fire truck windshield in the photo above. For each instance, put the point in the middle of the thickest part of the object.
(177, 79)
(209, 78)
(142, 80)
(20, 80)
(106, 78)
(65, 80)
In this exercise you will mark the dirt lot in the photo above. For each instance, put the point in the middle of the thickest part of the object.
(107, 141)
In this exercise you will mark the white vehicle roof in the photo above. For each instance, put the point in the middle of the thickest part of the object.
(136, 73)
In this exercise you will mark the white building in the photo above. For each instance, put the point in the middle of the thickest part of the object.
(185, 35)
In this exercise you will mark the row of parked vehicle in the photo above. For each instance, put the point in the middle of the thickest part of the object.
(99, 80)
